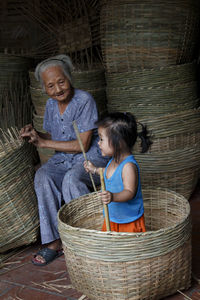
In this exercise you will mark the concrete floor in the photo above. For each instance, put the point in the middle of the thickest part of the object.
(21, 280)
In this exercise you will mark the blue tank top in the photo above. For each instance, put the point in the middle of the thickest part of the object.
(129, 211)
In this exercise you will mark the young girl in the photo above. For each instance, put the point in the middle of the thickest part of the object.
(118, 134)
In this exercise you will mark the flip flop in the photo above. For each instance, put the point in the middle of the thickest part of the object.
(48, 254)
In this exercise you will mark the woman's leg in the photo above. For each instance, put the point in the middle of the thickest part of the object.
(48, 184)
(77, 182)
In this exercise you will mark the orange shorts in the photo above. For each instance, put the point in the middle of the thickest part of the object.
(135, 226)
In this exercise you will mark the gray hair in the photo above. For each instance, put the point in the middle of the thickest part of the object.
(61, 60)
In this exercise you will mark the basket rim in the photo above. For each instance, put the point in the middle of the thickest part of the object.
(135, 234)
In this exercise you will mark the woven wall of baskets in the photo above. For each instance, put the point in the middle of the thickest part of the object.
(92, 81)
(19, 222)
(12, 69)
(129, 265)
(177, 170)
(172, 131)
(13, 87)
(155, 92)
(145, 34)
(38, 96)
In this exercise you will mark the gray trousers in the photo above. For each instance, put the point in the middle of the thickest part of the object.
(55, 184)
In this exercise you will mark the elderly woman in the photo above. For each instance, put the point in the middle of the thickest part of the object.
(63, 177)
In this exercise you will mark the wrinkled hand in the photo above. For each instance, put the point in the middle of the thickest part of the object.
(25, 130)
(32, 135)
(89, 167)
(106, 197)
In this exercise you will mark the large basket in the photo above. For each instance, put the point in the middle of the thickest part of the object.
(172, 131)
(154, 77)
(110, 265)
(39, 99)
(19, 222)
(44, 154)
(143, 34)
(92, 81)
(176, 170)
(147, 102)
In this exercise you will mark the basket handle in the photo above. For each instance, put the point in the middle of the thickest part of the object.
(105, 206)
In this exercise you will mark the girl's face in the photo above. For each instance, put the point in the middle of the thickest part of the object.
(56, 84)
(105, 147)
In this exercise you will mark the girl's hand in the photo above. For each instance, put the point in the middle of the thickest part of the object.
(106, 197)
(89, 167)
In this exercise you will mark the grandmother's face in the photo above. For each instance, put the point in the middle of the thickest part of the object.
(56, 84)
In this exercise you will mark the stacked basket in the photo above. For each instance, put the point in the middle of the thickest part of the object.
(15, 102)
(39, 99)
(149, 50)
(19, 222)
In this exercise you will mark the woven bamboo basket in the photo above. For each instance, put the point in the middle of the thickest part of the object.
(38, 122)
(143, 34)
(173, 131)
(177, 170)
(19, 222)
(148, 102)
(92, 81)
(39, 99)
(13, 70)
(111, 265)
(155, 77)
(44, 154)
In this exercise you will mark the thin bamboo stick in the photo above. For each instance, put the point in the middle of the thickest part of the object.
(184, 295)
(82, 149)
(105, 205)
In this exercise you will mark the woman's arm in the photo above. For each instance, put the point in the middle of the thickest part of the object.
(130, 181)
(40, 141)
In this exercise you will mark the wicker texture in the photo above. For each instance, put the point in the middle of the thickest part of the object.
(13, 69)
(19, 221)
(154, 77)
(92, 81)
(110, 265)
(153, 102)
(144, 34)
(177, 170)
(173, 131)
(39, 99)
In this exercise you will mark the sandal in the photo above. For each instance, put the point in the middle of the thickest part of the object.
(48, 254)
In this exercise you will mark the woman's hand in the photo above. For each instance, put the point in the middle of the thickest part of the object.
(89, 167)
(106, 197)
(33, 136)
(25, 130)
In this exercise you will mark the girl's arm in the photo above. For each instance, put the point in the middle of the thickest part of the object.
(64, 146)
(130, 181)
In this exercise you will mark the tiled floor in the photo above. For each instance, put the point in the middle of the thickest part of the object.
(20, 280)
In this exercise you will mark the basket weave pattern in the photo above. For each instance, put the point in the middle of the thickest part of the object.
(144, 34)
(110, 265)
(19, 222)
